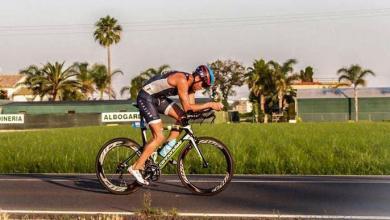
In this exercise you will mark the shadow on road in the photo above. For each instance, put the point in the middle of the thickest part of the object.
(90, 183)
(169, 188)
(84, 183)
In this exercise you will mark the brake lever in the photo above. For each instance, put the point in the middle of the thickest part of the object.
(209, 116)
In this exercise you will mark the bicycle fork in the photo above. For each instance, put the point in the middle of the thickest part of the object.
(195, 145)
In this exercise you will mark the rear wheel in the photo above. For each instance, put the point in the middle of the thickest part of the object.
(112, 162)
(208, 175)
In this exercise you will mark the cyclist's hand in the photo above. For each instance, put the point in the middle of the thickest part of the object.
(217, 106)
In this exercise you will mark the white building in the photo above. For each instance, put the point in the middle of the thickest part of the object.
(242, 105)
(15, 92)
(9, 83)
(318, 84)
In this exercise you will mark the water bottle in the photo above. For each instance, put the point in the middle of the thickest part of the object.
(167, 147)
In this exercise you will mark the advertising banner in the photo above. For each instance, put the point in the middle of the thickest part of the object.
(120, 117)
(11, 118)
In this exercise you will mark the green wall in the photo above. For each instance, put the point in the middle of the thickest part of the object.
(339, 109)
(373, 109)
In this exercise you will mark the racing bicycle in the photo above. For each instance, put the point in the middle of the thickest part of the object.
(204, 164)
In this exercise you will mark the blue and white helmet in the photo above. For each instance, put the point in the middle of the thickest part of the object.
(202, 72)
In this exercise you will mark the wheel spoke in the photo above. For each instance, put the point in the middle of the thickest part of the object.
(213, 172)
(112, 161)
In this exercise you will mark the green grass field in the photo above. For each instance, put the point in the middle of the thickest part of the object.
(306, 148)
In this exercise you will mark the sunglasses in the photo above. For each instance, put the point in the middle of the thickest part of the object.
(204, 84)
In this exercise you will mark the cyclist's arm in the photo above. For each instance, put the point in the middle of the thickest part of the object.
(191, 97)
(188, 100)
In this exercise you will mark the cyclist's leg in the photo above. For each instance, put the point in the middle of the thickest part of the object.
(170, 108)
(149, 111)
(177, 113)
(156, 140)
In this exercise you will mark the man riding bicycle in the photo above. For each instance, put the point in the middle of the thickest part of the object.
(152, 100)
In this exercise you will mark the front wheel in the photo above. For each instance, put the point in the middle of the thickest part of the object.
(112, 162)
(207, 171)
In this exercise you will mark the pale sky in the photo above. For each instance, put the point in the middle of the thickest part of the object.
(327, 35)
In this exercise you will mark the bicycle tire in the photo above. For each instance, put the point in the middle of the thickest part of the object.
(127, 146)
(187, 160)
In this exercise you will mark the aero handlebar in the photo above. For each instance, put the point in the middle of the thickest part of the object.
(202, 115)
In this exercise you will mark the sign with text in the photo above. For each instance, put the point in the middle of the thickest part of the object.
(11, 118)
(120, 116)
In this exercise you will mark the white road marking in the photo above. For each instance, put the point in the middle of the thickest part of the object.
(285, 181)
(281, 216)
(37, 180)
(213, 181)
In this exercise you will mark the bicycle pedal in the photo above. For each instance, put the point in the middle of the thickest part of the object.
(173, 162)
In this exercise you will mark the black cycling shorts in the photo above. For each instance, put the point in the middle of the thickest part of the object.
(150, 107)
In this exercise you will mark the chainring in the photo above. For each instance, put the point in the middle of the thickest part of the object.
(152, 171)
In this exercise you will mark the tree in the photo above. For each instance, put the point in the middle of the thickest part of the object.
(354, 75)
(135, 85)
(102, 80)
(52, 80)
(284, 78)
(86, 80)
(228, 74)
(73, 95)
(138, 81)
(261, 84)
(307, 74)
(271, 83)
(108, 32)
(32, 81)
(149, 73)
(57, 80)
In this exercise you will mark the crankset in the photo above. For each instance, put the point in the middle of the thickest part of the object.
(152, 171)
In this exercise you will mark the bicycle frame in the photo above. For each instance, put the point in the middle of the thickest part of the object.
(187, 137)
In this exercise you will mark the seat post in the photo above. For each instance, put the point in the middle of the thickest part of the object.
(143, 126)
(143, 131)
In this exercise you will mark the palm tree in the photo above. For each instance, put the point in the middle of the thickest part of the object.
(85, 78)
(58, 80)
(32, 81)
(284, 78)
(102, 81)
(354, 75)
(138, 81)
(260, 83)
(135, 85)
(108, 32)
(73, 95)
(149, 73)
(307, 74)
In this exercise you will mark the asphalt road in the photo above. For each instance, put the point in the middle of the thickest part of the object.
(364, 196)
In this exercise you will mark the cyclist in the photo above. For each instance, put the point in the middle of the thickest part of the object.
(152, 100)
